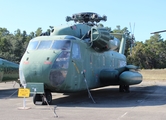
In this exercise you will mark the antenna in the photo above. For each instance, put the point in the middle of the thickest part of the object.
(133, 28)
(130, 27)
(132, 39)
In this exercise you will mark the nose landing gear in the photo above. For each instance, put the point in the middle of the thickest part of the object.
(42, 99)
(124, 88)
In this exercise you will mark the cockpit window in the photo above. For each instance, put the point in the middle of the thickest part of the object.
(45, 44)
(61, 44)
(62, 61)
(76, 51)
(32, 45)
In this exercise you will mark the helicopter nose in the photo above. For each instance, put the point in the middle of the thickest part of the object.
(59, 69)
(57, 77)
(21, 76)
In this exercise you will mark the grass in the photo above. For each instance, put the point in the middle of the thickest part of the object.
(153, 74)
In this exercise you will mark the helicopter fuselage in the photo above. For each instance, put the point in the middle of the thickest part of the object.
(76, 58)
(48, 60)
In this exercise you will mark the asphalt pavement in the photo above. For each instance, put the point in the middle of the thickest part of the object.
(146, 101)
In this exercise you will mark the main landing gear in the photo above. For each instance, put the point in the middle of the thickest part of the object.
(44, 99)
(124, 88)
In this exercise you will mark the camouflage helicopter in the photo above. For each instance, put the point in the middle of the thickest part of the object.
(76, 58)
(8, 71)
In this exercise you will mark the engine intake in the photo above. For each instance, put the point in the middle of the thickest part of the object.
(102, 40)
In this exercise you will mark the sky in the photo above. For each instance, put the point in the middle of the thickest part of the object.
(147, 15)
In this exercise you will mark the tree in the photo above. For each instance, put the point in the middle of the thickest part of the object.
(138, 55)
(38, 32)
(156, 51)
(119, 30)
(148, 55)
(5, 44)
(151, 54)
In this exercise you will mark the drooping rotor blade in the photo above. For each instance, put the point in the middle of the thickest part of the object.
(158, 31)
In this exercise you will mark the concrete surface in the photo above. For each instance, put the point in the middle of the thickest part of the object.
(146, 101)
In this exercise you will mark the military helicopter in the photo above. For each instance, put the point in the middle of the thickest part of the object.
(8, 71)
(76, 58)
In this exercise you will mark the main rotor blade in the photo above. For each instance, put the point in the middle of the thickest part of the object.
(158, 31)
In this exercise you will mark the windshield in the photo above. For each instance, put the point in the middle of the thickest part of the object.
(32, 45)
(45, 44)
(61, 44)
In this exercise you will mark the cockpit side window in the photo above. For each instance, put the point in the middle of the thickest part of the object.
(45, 44)
(62, 61)
(76, 51)
(61, 44)
(32, 45)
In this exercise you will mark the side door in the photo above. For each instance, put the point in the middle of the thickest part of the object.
(76, 60)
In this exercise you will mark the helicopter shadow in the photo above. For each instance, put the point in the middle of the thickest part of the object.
(111, 97)
(9, 93)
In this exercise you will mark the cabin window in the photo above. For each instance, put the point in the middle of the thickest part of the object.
(122, 63)
(46, 44)
(61, 44)
(32, 45)
(76, 51)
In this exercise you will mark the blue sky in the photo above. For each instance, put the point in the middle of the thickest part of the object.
(28, 15)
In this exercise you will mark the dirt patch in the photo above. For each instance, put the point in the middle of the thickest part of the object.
(153, 74)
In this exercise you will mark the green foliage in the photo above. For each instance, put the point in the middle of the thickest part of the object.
(19, 44)
(151, 54)
(5, 44)
(137, 56)
(38, 31)
(148, 55)
(119, 30)
(13, 46)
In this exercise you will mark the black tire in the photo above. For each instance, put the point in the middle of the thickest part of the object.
(121, 88)
(127, 88)
(124, 88)
(36, 97)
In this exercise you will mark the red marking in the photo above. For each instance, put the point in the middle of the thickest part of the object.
(47, 62)
(26, 62)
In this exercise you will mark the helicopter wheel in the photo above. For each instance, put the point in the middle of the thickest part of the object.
(36, 97)
(47, 98)
(124, 88)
